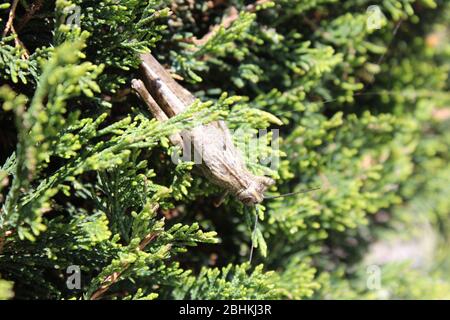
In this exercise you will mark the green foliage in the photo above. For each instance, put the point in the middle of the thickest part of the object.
(87, 178)
(236, 283)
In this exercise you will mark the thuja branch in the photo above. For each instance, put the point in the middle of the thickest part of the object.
(115, 276)
(227, 20)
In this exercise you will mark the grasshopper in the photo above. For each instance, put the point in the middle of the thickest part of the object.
(222, 163)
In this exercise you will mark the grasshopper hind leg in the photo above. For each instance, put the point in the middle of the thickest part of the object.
(139, 88)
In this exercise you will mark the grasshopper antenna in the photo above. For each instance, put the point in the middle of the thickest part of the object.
(254, 234)
(292, 193)
(257, 214)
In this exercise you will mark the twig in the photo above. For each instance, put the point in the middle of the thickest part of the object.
(114, 277)
(226, 22)
(10, 27)
(232, 16)
(108, 282)
(12, 14)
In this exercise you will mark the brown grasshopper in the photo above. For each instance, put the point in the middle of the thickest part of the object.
(222, 163)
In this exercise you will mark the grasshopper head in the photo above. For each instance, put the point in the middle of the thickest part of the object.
(254, 193)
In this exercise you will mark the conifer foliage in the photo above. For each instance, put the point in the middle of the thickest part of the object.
(92, 207)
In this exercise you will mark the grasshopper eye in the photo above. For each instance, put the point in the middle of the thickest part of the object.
(249, 201)
(250, 197)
